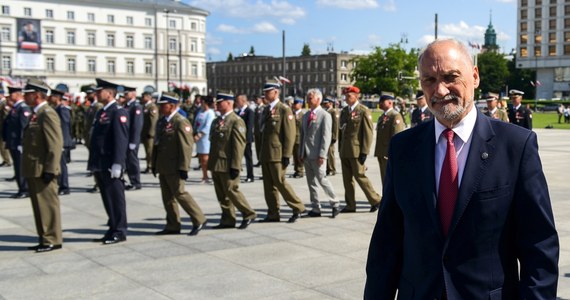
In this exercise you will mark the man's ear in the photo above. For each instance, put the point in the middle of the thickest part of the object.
(476, 78)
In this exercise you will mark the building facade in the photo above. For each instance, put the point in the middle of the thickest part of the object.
(247, 74)
(140, 43)
(543, 44)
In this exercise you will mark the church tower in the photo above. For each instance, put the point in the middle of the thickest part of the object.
(490, 36)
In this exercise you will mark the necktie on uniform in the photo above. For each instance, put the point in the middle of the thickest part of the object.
(448, 185)
(311, 117)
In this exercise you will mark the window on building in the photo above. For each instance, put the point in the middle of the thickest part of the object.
(193, 45)
(343, 64)
(567, 36)
(552, 11)
(308, 77)
(524, 26)
(148, 68)
(324, 77)
(92, 66)
(553, 1)
(71, 37)
(27, 11)
(111, 66)
(148, 22)
(130, 20)
(6, 10)
(524, 52)
(70, 15)
(324, 64)
(343, 77)
(173, 69)
(91, 40)
(6, 34)
(193, 26)
(148, 42)
(130, 41)
(538, 38)
(524, 2)
(566, 23)
(71, 65)
(552, 24)
(172, 23)
(49, 37)
(6, 62)
(130, 67)
(552, 50)
(537, 52)
(562, 73)
(537, 26)
(552, 37)
(202, 45)
(50, 64)
(308, 66)
(524, 38)
(538, 12)
(172, 44)
(194, 70)
(49, 13)
(91, 17)
(110, 40)
(111, 19)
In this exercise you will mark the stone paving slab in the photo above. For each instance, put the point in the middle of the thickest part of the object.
(316, 258)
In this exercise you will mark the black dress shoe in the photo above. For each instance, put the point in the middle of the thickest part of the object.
(313, 214)
(294, 218)
(196, 229)
(129, 187)
(374, 208)
(146, 171)
(94, 189)
(3, 164)
(20, 195)
(297, 175)
(114, 240)
(63, 192)
(249, 180)
(223, 226)
(47, 248)
(335, 212)
(10, 179)
(347, 210)
(34, 247)
(89, 174)
(166, 232)
(269, 220)
(257, 165)
(245, 223)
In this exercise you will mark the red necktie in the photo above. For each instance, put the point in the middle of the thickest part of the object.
(311, 116)
(448, 186)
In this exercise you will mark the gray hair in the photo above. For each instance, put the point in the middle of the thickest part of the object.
(315, 92)
(459, 45)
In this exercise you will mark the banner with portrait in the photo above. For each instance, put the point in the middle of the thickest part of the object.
(29, 56)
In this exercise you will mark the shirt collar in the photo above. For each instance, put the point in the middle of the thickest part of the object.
(389, 109)
(354, 106)
(37, 108)
(226, 114)
(272, 104)
(517, 107)
(316, 109)
(171, 115)
(109, 104)
(18, 102)
(493, 111)
(131, 101)
(463, 129)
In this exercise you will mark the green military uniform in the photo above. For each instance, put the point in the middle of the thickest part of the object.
(298, 165)
(498, 114)
(278, 138)
(389, 123)
(88, 121)
(42, 145)
(171, 155)
(78, 121)
(355, 138)
(150, 118)
(257, 130)
(4, 152)
(331, 160)
(227, 145)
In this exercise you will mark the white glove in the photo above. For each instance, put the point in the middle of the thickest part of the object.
(132, 146)
(19, 147)
(116, 171)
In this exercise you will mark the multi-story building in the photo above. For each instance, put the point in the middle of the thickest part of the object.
(543, 44)
(247, 74)
(141, 43)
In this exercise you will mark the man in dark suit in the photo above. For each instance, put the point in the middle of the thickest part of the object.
(421, 114)
(135, 112)
(248, 117)
(519, 114)
(457, 221)
(64, 113)
(107, 156)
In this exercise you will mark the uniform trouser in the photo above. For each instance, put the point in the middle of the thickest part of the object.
(331, 161)
(316, 173)
(274, 183)
(297, 163)
(247, 154)
(257, 141)
(133, 167)
(383, 161)
(352, 168)
(113, 195)
(173, 191)
(229, 196)
(5, 153)
(148, 147)
(45, 204)
(21, 181)
(63, 178)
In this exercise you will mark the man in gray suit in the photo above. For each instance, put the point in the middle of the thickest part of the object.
(315, 139)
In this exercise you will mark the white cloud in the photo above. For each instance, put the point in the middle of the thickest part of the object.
(389, 6)
(213, 40)
(264, 27)
(349, 4)
(229, 29)
(288, 21)
(280, 9)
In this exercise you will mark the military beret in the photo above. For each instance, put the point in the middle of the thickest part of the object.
(223, 96)
(167, 97)
(104, 84)
(34, 85)
(271, 85)
(351, 89)
(516, 92)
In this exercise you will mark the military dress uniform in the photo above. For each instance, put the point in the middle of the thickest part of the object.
(277, 145)
(257, 131)
(4, 152)
(78, 120)
(135, 113)
(298, 165)
(331, 159)
(150, 117)
(17, 120)
(171, 158)
(521, 116)
(228, 140)
(355, 138)
(389, 124)
(421, 115)
(89, 120)
(497, 114)
(64, 113)
(42, 144)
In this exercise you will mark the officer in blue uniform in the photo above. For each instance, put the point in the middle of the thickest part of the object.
(64, 112)
(15, 123)
(135, 112)
(107, 156)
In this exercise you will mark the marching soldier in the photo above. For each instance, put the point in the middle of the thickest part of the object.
(228, 141)
(107, 156)
(389, 124)
(150, 117)
(18, 120)
(328, 104)
(135, 112)
(64, 113)
(171, 159)
(298, 165)
(518, 114)
(4, 112)
(355, 138)
(42, 144)
(278, 138)
(492, 110)
(421, 114)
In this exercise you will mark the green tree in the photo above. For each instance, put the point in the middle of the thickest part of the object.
(520, 79)
(230, 57)
(379, 71)
(306, 50)
(493, 71)
(251, 51)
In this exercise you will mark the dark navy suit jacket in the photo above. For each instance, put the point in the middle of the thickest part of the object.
(503, 214)
(109, 140)
(135, 111)
(64, 113)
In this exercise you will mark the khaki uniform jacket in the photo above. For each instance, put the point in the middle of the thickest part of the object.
(173, 146)
(388, 125)
(298, 120)
(227, 143)
(356, 131)
(499, 114)
(150, 117)
(278, 135)
(335, 120)
(42, 144)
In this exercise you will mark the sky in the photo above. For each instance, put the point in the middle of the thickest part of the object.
(356, 26)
